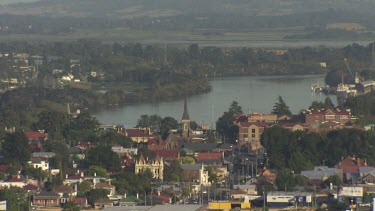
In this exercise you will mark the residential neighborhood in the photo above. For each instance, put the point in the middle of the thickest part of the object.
(188, 166)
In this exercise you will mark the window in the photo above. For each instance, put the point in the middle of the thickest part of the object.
(330, 116)
(245, 135)
(343, 117)
(253, 130)
(253, 135)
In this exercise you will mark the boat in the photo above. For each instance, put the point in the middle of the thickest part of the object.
(317, 88)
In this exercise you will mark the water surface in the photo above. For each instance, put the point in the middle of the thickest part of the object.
(254, 94)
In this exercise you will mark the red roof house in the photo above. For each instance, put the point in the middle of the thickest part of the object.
(31, 135)
(210, 157)
(168, 154)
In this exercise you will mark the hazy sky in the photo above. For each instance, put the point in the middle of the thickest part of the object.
(15, 1)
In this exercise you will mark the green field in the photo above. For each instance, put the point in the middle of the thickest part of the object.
(257, 38)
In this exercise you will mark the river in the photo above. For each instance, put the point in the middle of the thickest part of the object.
(254, 94)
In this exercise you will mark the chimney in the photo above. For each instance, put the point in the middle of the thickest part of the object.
(125, 196)
(95, 174)
(137, 196)
(82, 175)
(331, 186)
(66, 176)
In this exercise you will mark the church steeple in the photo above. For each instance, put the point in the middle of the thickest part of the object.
(185, 122)
(185, 115)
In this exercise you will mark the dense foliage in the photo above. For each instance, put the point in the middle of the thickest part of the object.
(16, 148)
(362, 104)
(301, 150)
(225, 126)
(280, 107)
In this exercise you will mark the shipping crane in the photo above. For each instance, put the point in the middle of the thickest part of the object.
(354, 78)
(348, 67)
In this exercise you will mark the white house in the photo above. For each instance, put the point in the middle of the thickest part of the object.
(13, 182)
(39, 164)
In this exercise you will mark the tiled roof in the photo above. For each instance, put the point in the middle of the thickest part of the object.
(35, 135)
(325, 111)
(74, 177)
(135, 132)
(200, 146)
(292, 124)
(14, 179)
(168, 154)
(351, 169)
(237, 191)
(63, 189)
(351, 165)
(258, 124)
(30, 187)
(191, 167)
(209, 156)
(47, 194)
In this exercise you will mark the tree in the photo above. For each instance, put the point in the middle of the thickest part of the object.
(153, 122)
(110, 138)
(97, 170)
(167, 124)
(51, 121)
(285, 180)
(328, 103)
(71, 206)
(280, 107)
(16, 148)
(95, 194)
(224, 124)
(173, 172)
(85, 186)
(61, 150)
(187, 159)
(104, 157)
(15, 197)
(85, 121)
(335, 180)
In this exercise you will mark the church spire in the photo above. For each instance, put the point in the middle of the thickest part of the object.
(185, 115)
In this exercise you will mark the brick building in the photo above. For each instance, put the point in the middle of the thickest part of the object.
(322, 116)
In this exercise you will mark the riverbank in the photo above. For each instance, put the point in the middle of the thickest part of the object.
(254, 94)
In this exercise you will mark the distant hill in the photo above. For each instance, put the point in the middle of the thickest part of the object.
(162, 8)
(207, 17)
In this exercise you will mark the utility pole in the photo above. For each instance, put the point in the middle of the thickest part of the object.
(201, 194)
(264, 199)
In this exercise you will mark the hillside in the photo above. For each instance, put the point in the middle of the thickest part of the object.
(158, 8)
(186, 21)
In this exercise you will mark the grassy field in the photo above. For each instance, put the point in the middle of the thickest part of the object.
(257, 38)
(126, 35)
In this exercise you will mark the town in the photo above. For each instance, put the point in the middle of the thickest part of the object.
(262, 162)
(55, 155)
